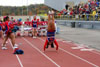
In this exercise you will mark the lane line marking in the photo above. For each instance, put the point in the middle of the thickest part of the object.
(86, 49)
(82, 48)
(74, 55)
(17, 56)
(32, 45)
(78, 47)
(78, 57)
(95, 52)
(91, 49)
(66, 41)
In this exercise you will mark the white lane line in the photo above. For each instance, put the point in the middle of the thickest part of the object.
(41, 52)
(98, 51)
(95, 52)
(86, 49)
(21, 65)
(90, 49)
(67, 41)
(78, 47)
(78, 57)
(75, 56)
(82, 48)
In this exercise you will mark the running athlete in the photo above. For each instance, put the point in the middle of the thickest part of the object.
(34, 25)
(51, 33)
(9, 33)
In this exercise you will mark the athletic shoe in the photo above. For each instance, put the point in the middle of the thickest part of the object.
(34, 37)
(15, 47)
(4, 48)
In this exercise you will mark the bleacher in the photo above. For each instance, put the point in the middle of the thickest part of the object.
(89, 10)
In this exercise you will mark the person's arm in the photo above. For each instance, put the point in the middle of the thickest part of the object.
(32, 23)
(53, 20)
(20, 23)
(49, 18)
(0, 24)
(7, 26)
(3, 25)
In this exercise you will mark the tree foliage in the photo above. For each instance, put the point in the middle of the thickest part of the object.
(24, 10)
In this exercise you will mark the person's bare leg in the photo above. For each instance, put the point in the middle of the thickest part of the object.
(4, 43)
(12, 37)
(33, 31)
(2, 35)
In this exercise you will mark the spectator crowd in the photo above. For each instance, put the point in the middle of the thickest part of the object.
(90, 9)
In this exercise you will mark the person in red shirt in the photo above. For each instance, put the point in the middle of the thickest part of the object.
(19, 22)
(1, 32)
(28, 23)
(0, 25)
(34, 25)
(2, 28)
(9, 33)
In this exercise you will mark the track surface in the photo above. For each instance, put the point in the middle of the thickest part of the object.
(34, 56)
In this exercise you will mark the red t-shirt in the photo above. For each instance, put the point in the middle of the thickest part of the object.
(71, 13)
(7, 25)
(28, 23)
(35, 23)
(19, 23)
(0, 24)
(3, 25)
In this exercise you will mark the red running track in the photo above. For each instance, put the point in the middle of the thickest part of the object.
(34, 56)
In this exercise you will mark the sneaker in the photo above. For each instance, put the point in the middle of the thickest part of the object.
(4, 48)
(34, 37)
(15, 47)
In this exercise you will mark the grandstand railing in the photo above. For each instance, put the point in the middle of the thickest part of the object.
(79, 24)
(84, 17)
